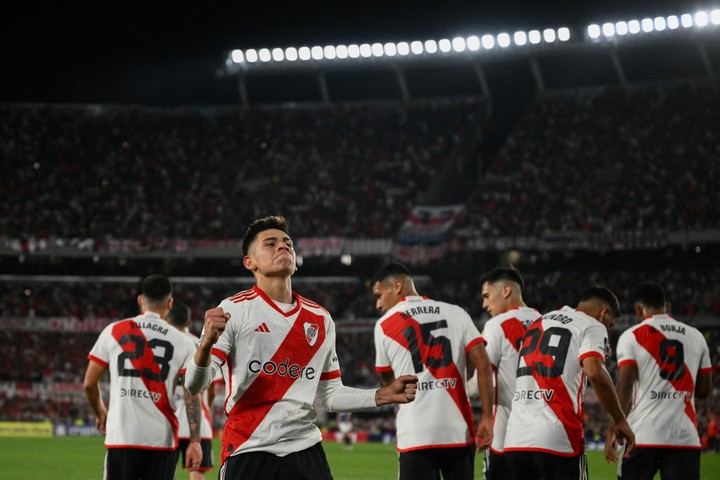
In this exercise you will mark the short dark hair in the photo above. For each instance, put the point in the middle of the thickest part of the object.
(260, 225)
(179, 315)
(650, 294)
(603, 293)
(390, 270)
(503, 273)
(156, 288)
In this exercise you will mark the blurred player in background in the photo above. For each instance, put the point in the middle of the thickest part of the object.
(346, 430)
(662, 365)
(179, 317)
(510, 318)
(146, 358)
(418, 336)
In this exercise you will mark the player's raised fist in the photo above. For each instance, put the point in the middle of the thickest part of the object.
(215, 321)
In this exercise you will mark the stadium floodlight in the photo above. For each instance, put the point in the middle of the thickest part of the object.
(291, 54)
(549, 35)
(686, 20)
(634, 26)
(431, 46)
(621, 28)
(416, 47)
(647, 25)
(608, 29)
(251, 55)
(304, 53)
(673, 22)
(487, 41)
(473, 43)
(659, 23)
(278, 55)
(715, 16)
(701, 19)
(365, 50)
(520, 38)
(593, 31)
(403, 48)
(329, 52)
(458, 44)
(316, 52)
(563, 34)
(265, 55)
(445, 45)
(503, 40)
(237, 56)
(341, 51)
(354, 51)
(377, 50)
(534, 36)
(390, 49)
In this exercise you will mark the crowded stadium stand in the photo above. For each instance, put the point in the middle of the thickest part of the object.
(611, 183)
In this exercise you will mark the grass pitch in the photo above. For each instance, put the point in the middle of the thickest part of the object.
(82, 459)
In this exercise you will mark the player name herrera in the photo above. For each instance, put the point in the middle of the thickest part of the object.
(423, 309)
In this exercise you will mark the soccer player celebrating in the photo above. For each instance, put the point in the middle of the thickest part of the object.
(510, 318)
(662, 365)
(545, 437)
(433, 340)
(146, 357)
(278, 353)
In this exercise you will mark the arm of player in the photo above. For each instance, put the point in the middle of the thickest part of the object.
(627, 377)
(386, 378)
(193, 453)
(595, 371)
(91, 386)
(336, 397)
(200, 372)
(484, 378)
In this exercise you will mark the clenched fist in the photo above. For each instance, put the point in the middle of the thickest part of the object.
(215, 321)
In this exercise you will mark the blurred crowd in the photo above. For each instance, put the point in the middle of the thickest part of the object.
(637, 158)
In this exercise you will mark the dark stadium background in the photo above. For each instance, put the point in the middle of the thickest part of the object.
(158, 68)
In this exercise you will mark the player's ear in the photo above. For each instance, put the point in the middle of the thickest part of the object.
(139, 301)
(639, 310)
(249, 263)
(506, 290)
(169, 303)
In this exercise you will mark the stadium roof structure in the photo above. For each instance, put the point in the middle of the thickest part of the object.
(622, 51)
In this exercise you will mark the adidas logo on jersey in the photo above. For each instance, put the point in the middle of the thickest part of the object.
(263, 328)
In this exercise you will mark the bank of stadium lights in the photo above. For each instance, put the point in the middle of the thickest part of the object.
(609, 30)
(457, 45)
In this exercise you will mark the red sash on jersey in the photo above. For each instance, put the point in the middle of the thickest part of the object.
(649, 338)
(266, 390)
(393, 327)
(147, 361)
(514, 330)
(561, 402)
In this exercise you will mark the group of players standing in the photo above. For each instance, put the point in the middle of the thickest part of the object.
(275, 351)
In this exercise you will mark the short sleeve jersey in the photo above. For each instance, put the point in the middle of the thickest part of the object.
(273, 361)
(547, 405)
(144, 356)
(668, 355)
(206, 430)
(430, 339)
(503, 334)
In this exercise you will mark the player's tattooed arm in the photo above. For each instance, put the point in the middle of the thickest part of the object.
(192, 407)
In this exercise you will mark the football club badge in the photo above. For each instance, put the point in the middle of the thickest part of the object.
(311, 332)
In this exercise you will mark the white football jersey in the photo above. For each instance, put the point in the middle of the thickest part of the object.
(145, 355)
(547, 405)
(206, 430)
(668, 355)
(273, 361)
(503, 334)
(430, 339)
